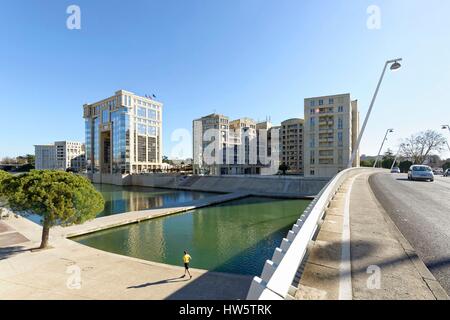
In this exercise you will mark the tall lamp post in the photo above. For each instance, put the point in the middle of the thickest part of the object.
(396, 156)
(395, 64)
(382, 144)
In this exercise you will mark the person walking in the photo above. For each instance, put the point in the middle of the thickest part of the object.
(186, 259)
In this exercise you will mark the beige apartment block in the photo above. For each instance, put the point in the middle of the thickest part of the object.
(61, 155)
(330, 133)
(291, 145)
(123, 134)
(235, 143)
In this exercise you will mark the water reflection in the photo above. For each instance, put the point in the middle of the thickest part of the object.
(120, 199)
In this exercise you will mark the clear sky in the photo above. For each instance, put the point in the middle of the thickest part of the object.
(255, 58)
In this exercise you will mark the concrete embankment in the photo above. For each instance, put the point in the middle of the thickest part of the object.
(275, 186)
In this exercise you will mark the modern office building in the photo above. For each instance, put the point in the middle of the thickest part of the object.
(331, 130)
(232, 148)
(291, 144)
(61, 155)
(123, 134)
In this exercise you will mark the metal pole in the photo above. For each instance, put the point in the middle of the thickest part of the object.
(396, 156)
(356, 148)
(381, 148)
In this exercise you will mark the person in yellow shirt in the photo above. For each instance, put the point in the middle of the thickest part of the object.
(186, 259)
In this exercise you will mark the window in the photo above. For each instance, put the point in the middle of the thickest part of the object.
(341, 109)
(340, 156)
(340, 139)
(152, 131)
(312, 142)
(105, 116)
(141, 112)
(312, 103)
(142, 129)
(312, 158)
(152, 114)
(312, 111)
(312, 122)
(340, 123)
(321, 102)
(331, 101)
(311, 172)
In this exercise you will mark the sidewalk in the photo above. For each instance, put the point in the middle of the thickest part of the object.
(383, 264)
(48, 274)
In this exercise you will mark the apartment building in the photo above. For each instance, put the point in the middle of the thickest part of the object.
(61, 155)
(232, 148)
(331, 130)
(291, 144)
(123, 134)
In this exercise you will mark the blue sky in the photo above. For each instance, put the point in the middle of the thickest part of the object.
(255, 58)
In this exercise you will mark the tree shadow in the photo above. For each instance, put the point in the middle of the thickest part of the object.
(8, 252)
(165, 281)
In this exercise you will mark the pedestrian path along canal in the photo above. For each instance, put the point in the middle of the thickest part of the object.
(234, 237)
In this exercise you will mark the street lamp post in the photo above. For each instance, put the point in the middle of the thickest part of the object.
(382, 144)
(396, 156)
(395, 64)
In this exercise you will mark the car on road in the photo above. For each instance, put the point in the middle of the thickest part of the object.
(395, 170)
(447, 173)
(420, 172)
(438, 171)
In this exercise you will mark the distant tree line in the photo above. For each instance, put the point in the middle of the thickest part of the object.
(419, 148)
(23, 163)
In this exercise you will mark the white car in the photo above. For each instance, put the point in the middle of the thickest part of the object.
(396, 170)
(420, 172)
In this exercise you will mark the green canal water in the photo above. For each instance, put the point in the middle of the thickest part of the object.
(235, 237)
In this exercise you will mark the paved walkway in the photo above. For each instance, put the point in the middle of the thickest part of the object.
(383, 264)
(73, 271)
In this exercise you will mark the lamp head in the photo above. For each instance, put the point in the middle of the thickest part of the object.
(395, 66)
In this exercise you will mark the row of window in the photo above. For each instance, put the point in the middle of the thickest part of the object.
(326, 110)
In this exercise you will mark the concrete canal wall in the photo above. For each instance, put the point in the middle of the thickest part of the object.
(279, 186)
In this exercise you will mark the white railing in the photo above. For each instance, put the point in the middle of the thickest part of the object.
(278, 274)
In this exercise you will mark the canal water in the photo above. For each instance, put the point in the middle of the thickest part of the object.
(235, 237)
(120, 199)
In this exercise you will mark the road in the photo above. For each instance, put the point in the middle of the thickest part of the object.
(421, 210)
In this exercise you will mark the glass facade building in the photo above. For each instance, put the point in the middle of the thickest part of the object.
(123, 134)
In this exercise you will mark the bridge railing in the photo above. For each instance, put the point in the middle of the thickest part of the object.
(275, 282)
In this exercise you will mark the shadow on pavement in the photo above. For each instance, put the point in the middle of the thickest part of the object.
(9, 252)
(148, 284)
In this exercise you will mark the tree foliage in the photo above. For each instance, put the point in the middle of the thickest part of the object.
(367, 163)
(58, 197)
(387, 160)
(419, 146)
(405, 165)
(283, 168)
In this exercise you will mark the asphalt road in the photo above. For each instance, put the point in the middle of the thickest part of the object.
(421, 210)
